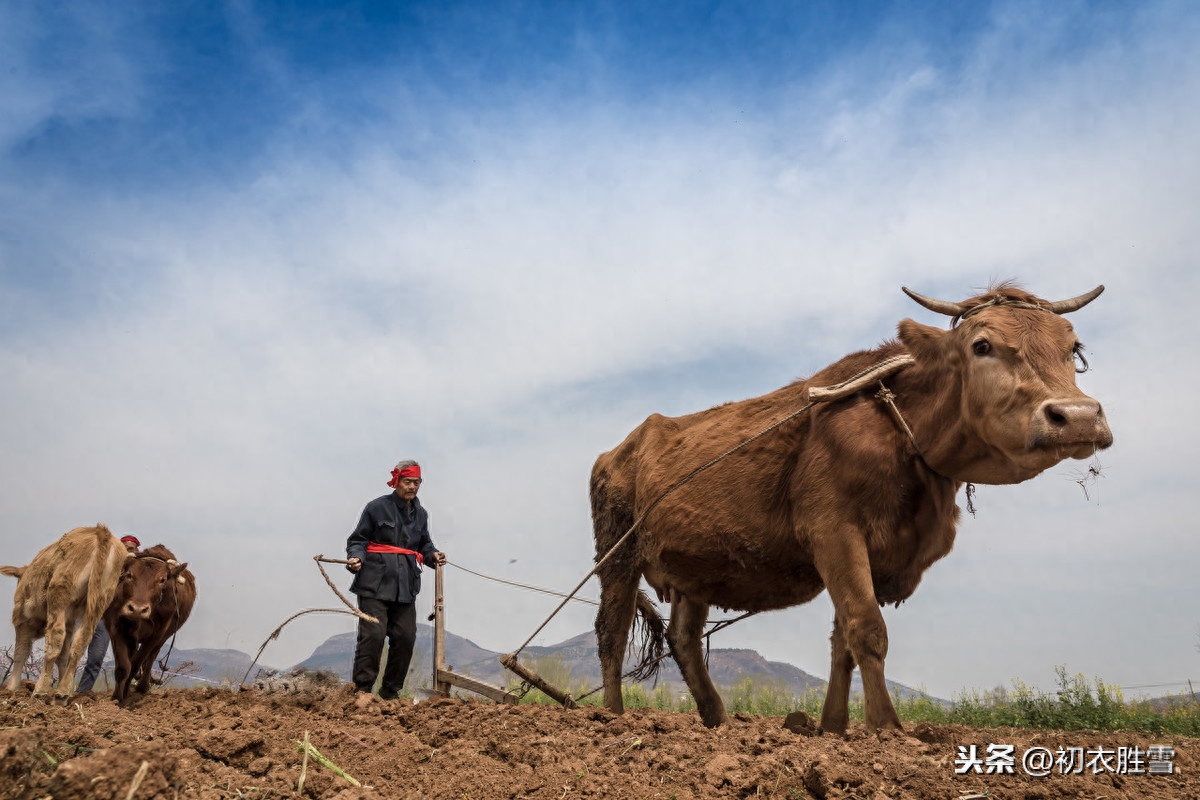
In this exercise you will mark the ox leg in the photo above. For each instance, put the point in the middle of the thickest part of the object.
(685, 635)
(845, 567)
(618, 604)
(121, 659)
(68, 660)
(56, 632)
(143, 666)
(835, 714)
(21, 651)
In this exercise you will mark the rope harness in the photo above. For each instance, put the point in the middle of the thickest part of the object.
(856, 383)
(816, 395)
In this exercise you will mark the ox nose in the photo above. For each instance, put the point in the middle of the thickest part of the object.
(136, 610)
(1074, 421)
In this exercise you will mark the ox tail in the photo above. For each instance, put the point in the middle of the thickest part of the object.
(612, 518)
(13, 572)
(649, 640)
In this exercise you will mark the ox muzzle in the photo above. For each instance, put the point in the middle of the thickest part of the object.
(1076, 423)
(136, 611)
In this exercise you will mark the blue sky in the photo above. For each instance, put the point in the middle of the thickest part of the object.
(252, 255)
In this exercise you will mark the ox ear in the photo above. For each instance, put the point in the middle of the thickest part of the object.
(175, 568)
(924, 342)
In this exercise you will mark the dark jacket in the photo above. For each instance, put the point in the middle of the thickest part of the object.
(390, 576)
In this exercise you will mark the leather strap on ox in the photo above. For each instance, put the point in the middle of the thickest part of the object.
(376, 547)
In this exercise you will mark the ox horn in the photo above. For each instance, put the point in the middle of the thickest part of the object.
(939, 306)
(172, 562)
(1076, 303)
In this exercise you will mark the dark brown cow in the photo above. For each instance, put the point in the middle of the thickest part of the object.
(61, 595)
(840, 498)
(153, 600)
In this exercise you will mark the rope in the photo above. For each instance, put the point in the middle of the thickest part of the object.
(651, 507)
(521, 585)
(719, 623)
(717, 626)
(885, 394)
(352, 610)
(880, 370)
(319, 558)
(275, 633)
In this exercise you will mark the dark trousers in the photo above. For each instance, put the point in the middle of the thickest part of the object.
(398, 623)
(95, 658)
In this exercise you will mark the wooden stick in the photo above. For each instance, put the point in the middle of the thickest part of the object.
(510, 663)
(859, 381)
(439, 633)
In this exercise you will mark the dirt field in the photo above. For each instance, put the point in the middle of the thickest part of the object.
(208, 743)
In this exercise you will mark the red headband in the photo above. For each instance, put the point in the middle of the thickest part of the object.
(413, 471)
(133, 539)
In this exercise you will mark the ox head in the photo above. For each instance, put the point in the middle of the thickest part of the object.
(144, 581)
(1013, 359)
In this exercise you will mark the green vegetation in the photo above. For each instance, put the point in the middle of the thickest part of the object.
(1076, 704)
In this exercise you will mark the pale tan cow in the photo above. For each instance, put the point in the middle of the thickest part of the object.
(61, 595)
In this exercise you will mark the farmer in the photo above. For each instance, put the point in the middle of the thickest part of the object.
(99, 646)
(386, 551)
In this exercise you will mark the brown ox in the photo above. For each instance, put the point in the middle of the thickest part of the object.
(840, 498)
(153, 599)
(61, 595)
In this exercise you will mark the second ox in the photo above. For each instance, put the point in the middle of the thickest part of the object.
(154, 598)
(854, 496)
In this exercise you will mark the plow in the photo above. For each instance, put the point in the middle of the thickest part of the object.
(444, 677)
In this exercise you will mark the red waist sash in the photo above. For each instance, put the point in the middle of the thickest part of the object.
(376, 547)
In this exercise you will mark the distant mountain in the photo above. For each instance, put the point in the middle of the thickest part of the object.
(578, 658)
(187, 668)
(575, 660)
(215, 666)
(336, 654)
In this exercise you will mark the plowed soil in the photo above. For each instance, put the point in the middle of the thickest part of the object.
(210, 743)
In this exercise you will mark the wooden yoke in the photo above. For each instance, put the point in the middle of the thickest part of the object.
(443, 678)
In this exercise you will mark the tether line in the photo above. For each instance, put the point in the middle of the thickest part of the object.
(522, 585)
(846, 387)
(651, 507)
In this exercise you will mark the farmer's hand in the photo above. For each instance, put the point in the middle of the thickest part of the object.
(353, 564)
(439, 557)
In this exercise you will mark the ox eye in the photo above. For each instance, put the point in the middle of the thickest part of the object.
(982, 347)
(1081, 363)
